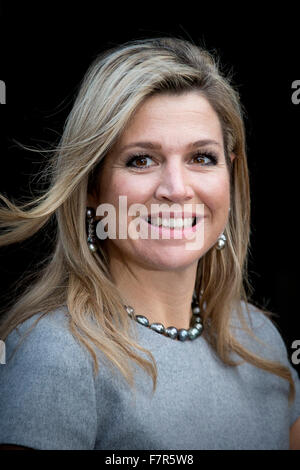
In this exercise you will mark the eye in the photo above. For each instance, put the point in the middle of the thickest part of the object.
(206, 158)
(141, 161)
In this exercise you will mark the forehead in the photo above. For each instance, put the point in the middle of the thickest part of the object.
(173, 120)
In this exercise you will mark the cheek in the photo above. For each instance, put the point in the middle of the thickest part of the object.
(137, 189)
(215, 192)
(111, 186)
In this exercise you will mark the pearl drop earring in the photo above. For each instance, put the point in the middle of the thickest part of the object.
(90, 216)
(221, 242)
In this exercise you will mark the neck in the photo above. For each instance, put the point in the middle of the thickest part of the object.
(161, 296)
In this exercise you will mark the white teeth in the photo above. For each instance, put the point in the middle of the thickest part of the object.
(172, 223)
(156, 221)
(188, 222)
(178, 223)
(166, 223)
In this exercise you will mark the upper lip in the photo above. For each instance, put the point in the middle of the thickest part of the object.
(174, 215)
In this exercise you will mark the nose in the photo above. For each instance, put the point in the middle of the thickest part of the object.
(173, 183)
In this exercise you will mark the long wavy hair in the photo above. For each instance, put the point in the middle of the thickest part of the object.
(116, 83)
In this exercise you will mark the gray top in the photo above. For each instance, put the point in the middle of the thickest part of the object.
(50, 399)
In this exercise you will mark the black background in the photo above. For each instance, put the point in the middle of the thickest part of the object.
(45, 51)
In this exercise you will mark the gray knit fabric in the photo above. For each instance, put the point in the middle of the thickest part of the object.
(49, 398)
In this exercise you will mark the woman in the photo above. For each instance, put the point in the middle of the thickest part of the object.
(153, 290)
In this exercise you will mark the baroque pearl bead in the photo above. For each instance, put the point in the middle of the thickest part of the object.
(220, 244)
(193, 333)
(129, 310)
(92, 247)
(197, 319)
(199, 327)
(196, 310)
(183, 334)
(90, 212)
(142, 320)
(157, 327)
(172, 332)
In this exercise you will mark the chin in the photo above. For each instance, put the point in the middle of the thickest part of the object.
(168, 258)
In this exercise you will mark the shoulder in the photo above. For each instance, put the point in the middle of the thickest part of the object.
(47, 378)
(264, 333)
(271, 346)
(44, 343)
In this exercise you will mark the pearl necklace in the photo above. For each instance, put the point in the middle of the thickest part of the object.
(193, 332)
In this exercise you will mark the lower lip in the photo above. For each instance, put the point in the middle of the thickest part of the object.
(172, 232)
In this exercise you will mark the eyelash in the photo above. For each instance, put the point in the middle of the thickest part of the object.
(210, 155)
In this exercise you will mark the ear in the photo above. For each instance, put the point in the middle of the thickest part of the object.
(232, 156)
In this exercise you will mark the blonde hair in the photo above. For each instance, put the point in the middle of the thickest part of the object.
(116, 83)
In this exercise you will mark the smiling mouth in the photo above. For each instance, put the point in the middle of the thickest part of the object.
(173, 223)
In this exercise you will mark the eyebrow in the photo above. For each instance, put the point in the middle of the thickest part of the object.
(154, 146)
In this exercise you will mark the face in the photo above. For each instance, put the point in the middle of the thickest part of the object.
(171, 152)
